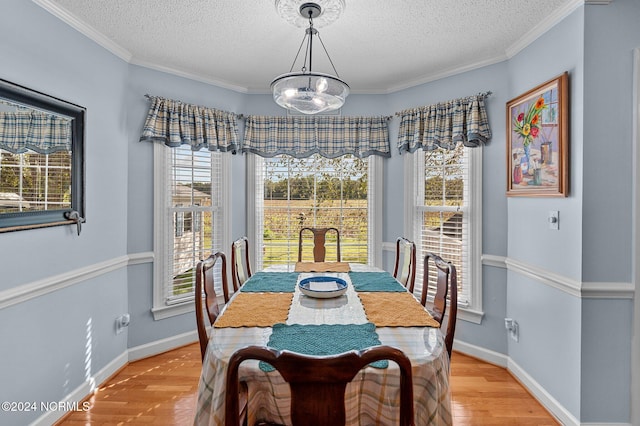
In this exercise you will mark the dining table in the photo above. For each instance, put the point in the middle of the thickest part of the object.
(271, 309)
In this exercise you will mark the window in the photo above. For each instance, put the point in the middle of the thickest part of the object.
(190, 221)
(291, 193)
(32, 182)
(41, 160)
(447, 217)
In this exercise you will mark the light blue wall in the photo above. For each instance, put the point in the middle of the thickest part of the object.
(565, 340)
(144, 329)
(549, 319)
(490, 334)
(611, 35)
(54, 343)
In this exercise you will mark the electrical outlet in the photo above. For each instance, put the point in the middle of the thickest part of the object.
(121, 322)
(512, 327)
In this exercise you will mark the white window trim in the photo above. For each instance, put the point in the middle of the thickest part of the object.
(375, 212)
(376, 171)
(472, 313)
(160, 309)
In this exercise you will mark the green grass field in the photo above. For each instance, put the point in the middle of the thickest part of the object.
(282, 222)
(284, 218)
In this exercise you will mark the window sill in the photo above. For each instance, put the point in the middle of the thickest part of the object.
(470, 315)
(163, 312)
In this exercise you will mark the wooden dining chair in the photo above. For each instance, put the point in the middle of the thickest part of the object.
(240, 266)
(318, 383)
(446, 285)
(319, 242)
(405, 265)
(205, 283)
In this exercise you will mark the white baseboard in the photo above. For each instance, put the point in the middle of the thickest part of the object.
(169, 343)
(541, 394)
(501, 360)
(162, 345)
(605, 424)
(481, 353)
(133, 354)
(82, 391)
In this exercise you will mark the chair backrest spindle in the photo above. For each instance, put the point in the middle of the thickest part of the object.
(240, 265)
(405, 264)
(446, 287)
(318, 383)
(319, 243)
(205, 286)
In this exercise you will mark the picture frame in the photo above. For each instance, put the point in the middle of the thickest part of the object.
(538, 141)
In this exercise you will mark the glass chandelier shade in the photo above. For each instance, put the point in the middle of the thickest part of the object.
(309, 92)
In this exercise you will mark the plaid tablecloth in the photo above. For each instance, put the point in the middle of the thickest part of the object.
(372, 398)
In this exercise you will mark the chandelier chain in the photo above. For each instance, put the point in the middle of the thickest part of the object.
(329, 57)
(310, 92)
(298, 54)
(310, 41)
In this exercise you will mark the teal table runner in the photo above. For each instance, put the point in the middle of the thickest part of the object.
(323, 339)
(271, 282)
(375, 281)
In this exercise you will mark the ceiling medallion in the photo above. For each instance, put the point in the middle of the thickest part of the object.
(306, 91)
(290, 11)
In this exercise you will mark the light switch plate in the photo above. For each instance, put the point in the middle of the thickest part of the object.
(554, 219)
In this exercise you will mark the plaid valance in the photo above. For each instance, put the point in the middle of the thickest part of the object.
(27, 129)
(329, 136)
(175, 123)
(445, 124)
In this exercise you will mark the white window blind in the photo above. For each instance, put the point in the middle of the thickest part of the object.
(443, 214)
(32, 182)
(317, 192)
(192, 198)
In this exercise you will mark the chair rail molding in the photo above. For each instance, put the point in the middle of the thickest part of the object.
(560, 282)
(607, 290)
(493, 260)
(140, 258)
(25, 292)
(389, 246)
(582, 289)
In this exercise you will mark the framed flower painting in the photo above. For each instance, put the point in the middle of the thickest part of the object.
(537, 141)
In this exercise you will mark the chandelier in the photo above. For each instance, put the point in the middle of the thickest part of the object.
(310, 92)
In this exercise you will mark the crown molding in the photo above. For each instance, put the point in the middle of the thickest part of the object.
(85, 29)
(190, 76)
(534, 33)
(542, 27)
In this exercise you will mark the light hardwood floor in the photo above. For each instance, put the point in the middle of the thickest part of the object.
(162, 390)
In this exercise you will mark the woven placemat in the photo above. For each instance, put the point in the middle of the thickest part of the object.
(275, 282)
(323, 339)
(322, 267)
(255, 310)
(375, 281)
(395, 310)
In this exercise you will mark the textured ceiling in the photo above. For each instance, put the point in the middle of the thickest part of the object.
(377, 46)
